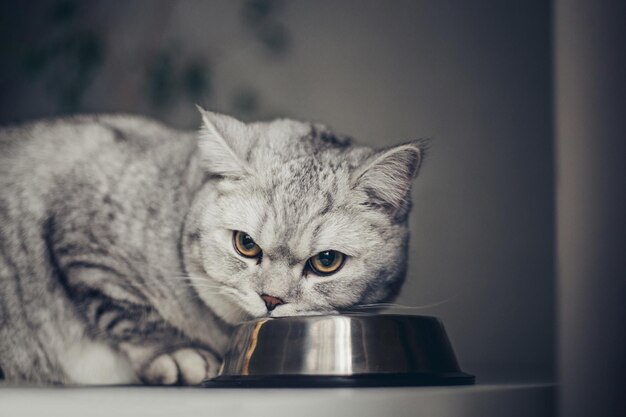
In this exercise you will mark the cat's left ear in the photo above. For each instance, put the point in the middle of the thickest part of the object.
(223, 145)
(386, 177)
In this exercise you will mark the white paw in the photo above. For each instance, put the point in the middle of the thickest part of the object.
(186, 366)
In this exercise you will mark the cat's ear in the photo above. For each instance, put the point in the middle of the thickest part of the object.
(386, 177)
(223, 145)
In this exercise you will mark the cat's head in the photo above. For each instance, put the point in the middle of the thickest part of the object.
(294, 220)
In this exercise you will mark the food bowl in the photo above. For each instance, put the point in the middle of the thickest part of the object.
(340, 350)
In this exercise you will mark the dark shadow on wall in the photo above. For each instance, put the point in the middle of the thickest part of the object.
(55, 45)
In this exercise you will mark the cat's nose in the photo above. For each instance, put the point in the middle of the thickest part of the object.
(271, 302)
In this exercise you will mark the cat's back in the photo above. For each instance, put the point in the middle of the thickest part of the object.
(64, 141)
(34, 154)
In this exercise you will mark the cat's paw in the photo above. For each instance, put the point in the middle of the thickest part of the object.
(186, 366)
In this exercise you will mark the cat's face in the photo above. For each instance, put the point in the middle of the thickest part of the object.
(296, 221)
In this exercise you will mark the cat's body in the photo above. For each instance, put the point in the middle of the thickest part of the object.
(116, 253)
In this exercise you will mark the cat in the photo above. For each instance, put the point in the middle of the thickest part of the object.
(129, 250)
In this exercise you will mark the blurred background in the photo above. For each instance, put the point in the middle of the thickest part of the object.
(476, 78)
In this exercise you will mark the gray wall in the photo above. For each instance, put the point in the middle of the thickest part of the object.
(474, 77)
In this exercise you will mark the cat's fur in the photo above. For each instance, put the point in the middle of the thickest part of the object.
(116, 256)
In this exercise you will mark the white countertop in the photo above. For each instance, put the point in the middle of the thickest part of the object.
(482, 400)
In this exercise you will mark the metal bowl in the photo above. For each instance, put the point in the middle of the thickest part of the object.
(343, 350)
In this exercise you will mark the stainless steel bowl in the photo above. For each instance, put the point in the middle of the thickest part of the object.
(341, 350)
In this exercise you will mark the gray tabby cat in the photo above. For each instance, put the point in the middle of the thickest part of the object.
(129, 250)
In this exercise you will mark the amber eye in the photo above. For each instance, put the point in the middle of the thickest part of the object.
(327, 262)
(245, 245)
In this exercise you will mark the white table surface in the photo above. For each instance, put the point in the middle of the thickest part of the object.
(483, 400)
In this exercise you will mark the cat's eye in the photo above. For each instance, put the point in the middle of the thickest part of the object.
(245, 246)
(327, 262)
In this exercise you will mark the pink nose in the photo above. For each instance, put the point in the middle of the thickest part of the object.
(271, 302)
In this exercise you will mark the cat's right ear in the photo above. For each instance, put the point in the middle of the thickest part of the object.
(223, 145)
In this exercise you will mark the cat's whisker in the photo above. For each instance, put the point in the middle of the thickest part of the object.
(203, 284)
(217, 291)
(213, 289)
(194, 282)
(188, 278)
(209, 287)
(373, 306)
(198, 285)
